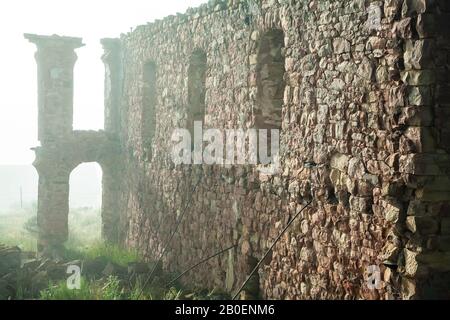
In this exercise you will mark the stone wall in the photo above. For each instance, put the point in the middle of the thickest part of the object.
(363, 135)
(363, 110)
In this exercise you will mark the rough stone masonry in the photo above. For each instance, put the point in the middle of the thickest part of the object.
(360, 91)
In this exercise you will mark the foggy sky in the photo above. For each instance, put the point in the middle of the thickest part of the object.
(89, 19)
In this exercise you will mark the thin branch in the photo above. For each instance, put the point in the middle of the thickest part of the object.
(200, 263)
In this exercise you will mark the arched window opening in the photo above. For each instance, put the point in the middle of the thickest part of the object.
(85, 201)
(149, 109)
(196, 90)
(270, 80)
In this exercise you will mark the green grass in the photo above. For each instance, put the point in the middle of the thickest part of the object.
(12, 231)
(89, 290)
(18, 228)
(113, 253)
(60, 291)
(84, 227)
(111, 289)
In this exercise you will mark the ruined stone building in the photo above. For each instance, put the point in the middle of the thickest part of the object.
(360, 91)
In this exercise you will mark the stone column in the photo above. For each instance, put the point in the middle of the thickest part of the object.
(112, 60)
(113, 78)
(55, 59)
(111, 203)
(53, 211)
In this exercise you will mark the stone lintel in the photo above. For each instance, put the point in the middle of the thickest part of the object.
(110, 43)
(54, 40)
(111, 47)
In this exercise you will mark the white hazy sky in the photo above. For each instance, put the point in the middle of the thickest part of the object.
(89, 19)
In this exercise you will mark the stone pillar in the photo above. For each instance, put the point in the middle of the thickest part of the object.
(55, 59)
(110, 203)
(53, 211)
(113, 78)
(112, 60)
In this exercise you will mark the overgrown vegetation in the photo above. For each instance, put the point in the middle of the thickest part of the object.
(116, 288)
(110, 289)
(97, 249)
(19, 228)
(113, 289)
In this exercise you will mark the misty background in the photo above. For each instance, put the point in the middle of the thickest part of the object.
(91, 20)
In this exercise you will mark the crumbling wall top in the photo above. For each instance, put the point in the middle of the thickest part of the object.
(252, 7)
(110, 43)
(54, 40)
